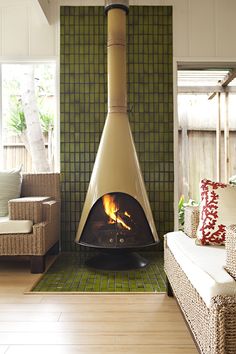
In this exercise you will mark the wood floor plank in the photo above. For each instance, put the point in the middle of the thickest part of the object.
(94, 327)
(29, 316)
(96, 307)
(89, 324)
(20, 299)
(171, 337)
(74, 338)
(119, 316)
(91, 349)
(114, 298)
(65, 338)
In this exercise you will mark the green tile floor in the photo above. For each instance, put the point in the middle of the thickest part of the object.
(69, 273)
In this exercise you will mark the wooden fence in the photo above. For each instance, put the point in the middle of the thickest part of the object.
(197, 159)
(15, 154)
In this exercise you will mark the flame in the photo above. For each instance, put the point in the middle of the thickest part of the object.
(111, 209)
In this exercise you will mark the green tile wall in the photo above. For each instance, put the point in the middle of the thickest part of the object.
(83, 97)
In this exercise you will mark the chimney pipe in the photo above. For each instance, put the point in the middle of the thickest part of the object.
(116, 55)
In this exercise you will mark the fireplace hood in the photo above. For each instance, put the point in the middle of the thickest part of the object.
(116, 168)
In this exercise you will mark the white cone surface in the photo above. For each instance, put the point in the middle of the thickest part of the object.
(116, 169)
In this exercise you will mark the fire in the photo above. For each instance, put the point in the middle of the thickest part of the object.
(112, 210)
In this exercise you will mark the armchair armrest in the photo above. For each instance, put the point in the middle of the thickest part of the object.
(29, 208)
(51, 209)
(191, 220)
(48, 231)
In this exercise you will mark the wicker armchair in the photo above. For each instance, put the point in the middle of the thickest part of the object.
(213, 328)
(39, 202)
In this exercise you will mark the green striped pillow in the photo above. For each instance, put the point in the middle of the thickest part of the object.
(10, 188)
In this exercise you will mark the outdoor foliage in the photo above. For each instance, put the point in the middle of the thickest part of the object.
(46, 120)
(16, 120)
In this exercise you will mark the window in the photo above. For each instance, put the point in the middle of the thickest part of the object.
(207, 127)
(28, 116)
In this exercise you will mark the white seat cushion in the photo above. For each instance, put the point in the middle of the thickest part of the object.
(14, 226)
(204, 266)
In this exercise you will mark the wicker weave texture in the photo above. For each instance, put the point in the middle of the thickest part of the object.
(44, 184)
(44, 236)
(193, 307)
(51, 213)
(214, 328)
(23, 209)
(46, 214)
(230, 245)
(223, 324)
(23, 244)
(191, 220)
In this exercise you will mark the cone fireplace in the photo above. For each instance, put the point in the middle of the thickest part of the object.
(117, 216)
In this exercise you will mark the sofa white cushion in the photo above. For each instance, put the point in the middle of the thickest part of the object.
(204, 266)
(14, 226)
(10, 187)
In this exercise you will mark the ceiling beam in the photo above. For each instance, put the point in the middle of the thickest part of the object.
(206, 89)
(44, 8)
(230, 76)
(211, 95)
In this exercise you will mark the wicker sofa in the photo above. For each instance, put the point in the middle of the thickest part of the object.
(212, 322)
(40, 203)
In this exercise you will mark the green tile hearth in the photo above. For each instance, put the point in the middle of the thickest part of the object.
(70, 274)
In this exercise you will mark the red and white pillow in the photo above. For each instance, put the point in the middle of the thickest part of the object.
(217, 211)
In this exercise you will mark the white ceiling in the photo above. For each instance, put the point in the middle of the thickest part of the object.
(202, 78)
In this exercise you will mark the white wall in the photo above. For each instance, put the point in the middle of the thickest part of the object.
(24, 32)
(202, 29)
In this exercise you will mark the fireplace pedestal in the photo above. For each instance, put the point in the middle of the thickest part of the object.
(117, 260)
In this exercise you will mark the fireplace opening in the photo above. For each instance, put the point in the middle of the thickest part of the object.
(116, 220)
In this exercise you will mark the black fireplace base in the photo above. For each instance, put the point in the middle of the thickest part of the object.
(117, 261)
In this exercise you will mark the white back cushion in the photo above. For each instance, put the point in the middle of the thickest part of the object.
(217, 211)
(10, 187)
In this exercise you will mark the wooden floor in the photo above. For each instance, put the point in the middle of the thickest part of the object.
(97, 324)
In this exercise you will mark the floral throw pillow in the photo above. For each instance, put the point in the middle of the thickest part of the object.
(217, 211)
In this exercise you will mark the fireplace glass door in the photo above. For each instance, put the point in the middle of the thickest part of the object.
(116, 220)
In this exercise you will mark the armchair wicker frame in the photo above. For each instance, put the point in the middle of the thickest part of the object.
(44, 212)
